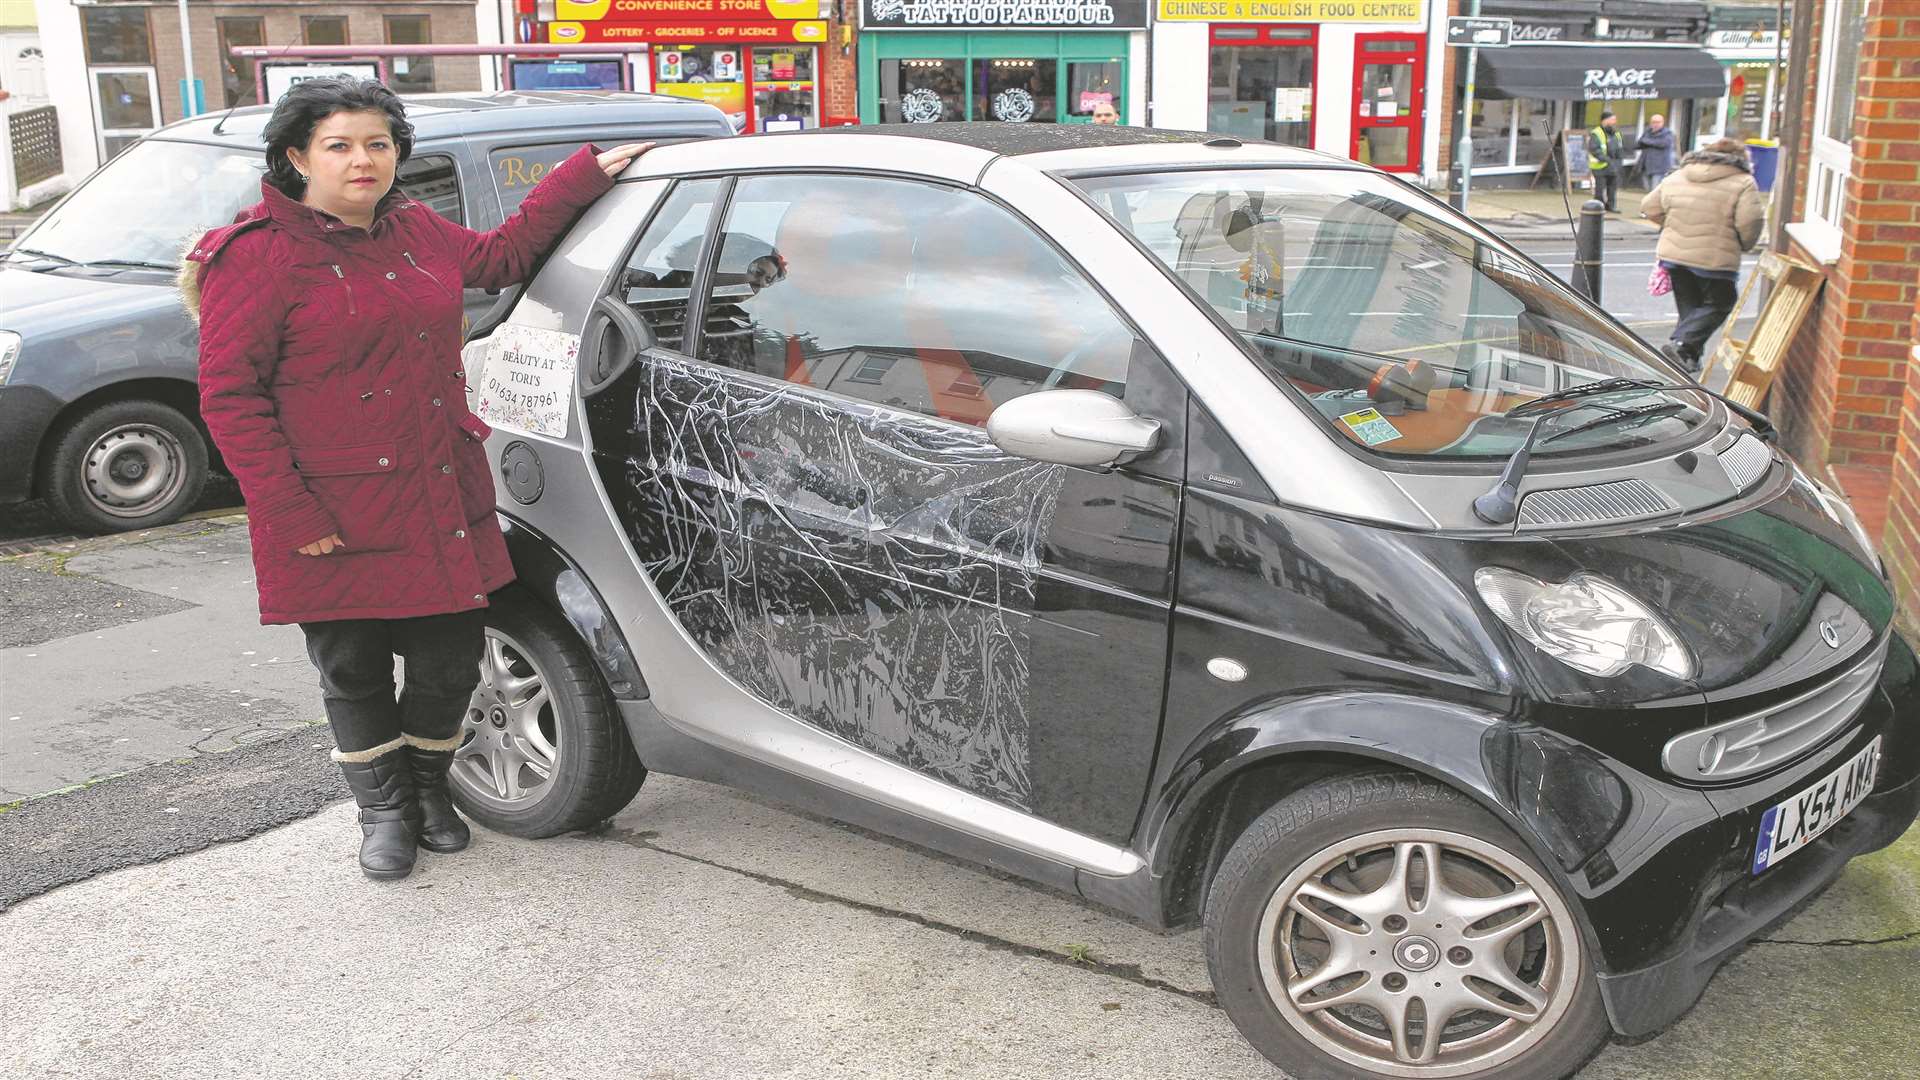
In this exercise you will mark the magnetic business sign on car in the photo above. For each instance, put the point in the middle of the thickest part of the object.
(1032, 14)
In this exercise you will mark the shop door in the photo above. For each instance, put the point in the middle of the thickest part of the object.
(1389, 106)
(781, 93)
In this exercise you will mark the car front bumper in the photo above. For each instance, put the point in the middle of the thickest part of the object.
(1729, 905)
(25, 412)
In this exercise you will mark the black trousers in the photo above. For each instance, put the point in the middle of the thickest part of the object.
(355, 658)
(1704, 303)
(1606, 188)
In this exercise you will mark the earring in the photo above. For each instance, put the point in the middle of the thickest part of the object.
(303, 176)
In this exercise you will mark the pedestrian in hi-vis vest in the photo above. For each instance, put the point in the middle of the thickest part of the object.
(1605, 151)
(330, 378)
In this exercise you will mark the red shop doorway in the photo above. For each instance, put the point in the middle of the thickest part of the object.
(1389, 101)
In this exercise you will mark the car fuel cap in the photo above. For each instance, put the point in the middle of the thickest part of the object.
(520, 468)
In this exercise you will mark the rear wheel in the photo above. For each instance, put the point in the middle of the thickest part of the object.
(544, 750)
(1382, 925)
(125, 465)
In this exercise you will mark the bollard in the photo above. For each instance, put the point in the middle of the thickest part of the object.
(1587, 245)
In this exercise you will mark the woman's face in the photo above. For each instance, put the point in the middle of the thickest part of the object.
(349, 163)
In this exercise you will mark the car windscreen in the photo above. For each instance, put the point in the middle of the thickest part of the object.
(144, 205)
(1410, 331)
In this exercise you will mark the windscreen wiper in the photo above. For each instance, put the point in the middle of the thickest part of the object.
(38, 254)
(1758, 419)
(139, 264)
(1500, 504)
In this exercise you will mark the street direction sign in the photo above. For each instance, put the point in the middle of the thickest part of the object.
(1472, 31)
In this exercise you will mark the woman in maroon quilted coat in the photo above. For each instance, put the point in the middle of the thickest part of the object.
(330, 379)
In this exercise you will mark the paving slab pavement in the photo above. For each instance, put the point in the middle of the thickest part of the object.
(703, 933)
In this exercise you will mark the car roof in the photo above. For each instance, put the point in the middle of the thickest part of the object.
(437, 116)
(960, 152)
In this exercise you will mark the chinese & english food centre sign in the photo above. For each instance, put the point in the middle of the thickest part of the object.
(1309, 11)
(1003, 14)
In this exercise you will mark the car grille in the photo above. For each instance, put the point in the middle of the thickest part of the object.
(1746, 461)
(1776, 735)
(1595, 504)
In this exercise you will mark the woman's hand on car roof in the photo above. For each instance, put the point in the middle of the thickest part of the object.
(617, 158)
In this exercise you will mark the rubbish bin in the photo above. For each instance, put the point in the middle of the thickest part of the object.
(1766, 161)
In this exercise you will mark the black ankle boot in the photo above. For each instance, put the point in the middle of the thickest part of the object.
(441, 829)
(389, 816)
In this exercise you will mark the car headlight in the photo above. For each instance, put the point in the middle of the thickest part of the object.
(1585, 622)
(9, 352)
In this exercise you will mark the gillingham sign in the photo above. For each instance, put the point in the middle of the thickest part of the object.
(1003, 14)
(1615, 84)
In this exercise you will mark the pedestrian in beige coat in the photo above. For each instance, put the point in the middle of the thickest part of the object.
(1708, 212)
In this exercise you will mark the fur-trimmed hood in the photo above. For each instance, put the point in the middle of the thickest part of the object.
(1717, 157)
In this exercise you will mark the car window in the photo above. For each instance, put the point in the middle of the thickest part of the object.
(1407, 328)
(657, 281)
(432, 179)
(911, 295)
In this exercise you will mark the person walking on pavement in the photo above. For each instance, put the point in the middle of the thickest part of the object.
(330, 378)
(1656, 150)
(1605, 149)
(1709, 213)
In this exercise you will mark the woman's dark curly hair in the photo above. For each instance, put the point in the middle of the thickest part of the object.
(310, 101)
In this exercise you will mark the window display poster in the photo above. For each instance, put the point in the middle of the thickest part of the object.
(1292, 104)
(782, 65)
(1090, 98)
(726, 65)
(669, 66)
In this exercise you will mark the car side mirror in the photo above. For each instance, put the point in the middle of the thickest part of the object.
(1072, 427)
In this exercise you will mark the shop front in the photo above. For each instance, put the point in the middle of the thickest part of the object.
(758, 61)
(932, 61)
(1747, 43)
(1633, 58)
(1348, 77)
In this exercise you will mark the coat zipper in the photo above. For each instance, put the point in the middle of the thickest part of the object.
(408, 255)
(348, 285)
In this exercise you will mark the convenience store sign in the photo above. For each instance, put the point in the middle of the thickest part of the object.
(1366, 11)
(685, 10)
(569, 33)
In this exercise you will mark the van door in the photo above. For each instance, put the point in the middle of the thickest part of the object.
(802, 469)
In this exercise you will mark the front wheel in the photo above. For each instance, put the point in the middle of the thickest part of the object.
(544, 749)
(125, 465)
(1382, 925)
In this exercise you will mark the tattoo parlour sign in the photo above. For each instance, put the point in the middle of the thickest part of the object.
(1003, 14)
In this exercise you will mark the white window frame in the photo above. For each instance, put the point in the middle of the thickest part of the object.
(1831, 162)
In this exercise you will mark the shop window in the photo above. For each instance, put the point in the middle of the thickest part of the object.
(909, 295)
(715, 74)
(1492, 133)
(922, 91)
(410, 74)
(432, 180)
(116, 35)
(1261, 91)
(1534, 129)
(1015, 90)
(1093, 83)
(324, 29)
(658, 280)
(237, 73)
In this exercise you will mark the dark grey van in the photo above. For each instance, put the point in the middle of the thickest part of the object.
(98, 361)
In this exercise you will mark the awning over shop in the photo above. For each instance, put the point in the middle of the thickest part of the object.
(1599, 73)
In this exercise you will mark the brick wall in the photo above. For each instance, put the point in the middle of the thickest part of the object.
(1449, 102)
(1842, 387)
(450, 23)
(840, 81)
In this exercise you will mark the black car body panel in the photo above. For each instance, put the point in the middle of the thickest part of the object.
(548, 573)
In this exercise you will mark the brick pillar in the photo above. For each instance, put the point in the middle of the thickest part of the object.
(1900, 544)
(840, 79)
(1449, 59)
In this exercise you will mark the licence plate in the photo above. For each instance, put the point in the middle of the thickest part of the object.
(1789, 826)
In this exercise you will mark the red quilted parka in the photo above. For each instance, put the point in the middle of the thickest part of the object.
(330, 379)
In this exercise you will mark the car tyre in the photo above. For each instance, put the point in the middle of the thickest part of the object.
(544, 749)
(1324, 904)
(125, 465)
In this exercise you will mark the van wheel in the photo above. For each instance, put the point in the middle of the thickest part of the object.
(1382, 925)
(125, 465)
(544, 750)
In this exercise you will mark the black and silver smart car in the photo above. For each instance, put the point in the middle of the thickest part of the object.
(1221, 532)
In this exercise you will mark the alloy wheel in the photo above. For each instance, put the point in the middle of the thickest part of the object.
(1419, 953)
(132, 469)
(512, 743)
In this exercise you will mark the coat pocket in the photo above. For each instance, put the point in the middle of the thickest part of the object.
(358, 486)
